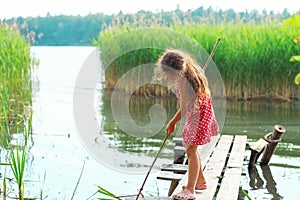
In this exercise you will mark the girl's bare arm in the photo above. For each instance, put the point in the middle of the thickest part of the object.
(171, 126)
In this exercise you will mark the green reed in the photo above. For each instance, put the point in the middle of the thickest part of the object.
(252, 58)
(15, 98)
(18, 161)
(15, 72)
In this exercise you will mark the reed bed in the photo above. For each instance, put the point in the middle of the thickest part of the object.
(253, 59)
(15, 100)
(15, 82)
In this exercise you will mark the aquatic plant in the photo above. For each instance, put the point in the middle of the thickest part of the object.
(18, 158)
(246, 194)
(15, 99)
(15, 83)
(108, 195)
(78, 181)
(251, 57)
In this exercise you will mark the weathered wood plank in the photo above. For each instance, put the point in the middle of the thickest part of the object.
(212, 169)
(206, 150)
(229, 188)
(177, 168)
(179, 155)
(165, 175)
(236, 158)
(177, 141)
(239, 143)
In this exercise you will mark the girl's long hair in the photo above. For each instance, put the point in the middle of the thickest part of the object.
(188, 68)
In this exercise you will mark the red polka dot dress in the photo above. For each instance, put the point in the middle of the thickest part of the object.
(200, 124)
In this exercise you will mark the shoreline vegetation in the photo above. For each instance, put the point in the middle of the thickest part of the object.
(253, 57)
(16, 66)
(15, 84)
(253, 60)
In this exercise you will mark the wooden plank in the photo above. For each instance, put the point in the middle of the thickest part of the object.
(230, 184)
(179, 155)
(212, 169)
(239, 144)
(259, 145)
(205, 150)
(177, 141)
(169, 176)
(229, 189)
(178, 168)
(236, 158)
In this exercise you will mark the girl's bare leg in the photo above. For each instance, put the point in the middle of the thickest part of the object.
(201, 178)
(193, 167)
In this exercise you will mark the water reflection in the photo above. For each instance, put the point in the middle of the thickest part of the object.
(254, 119)
(256, 182)
(139, 110)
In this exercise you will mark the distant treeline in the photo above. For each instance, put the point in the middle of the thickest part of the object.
(63, 30)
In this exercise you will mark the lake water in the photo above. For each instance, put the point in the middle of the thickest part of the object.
(64, 142)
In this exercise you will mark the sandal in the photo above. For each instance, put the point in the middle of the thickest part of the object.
(200, 186)
(184, 195)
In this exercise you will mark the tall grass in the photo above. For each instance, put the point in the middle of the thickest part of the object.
(253, 59)
(15, 72)
(15, 99)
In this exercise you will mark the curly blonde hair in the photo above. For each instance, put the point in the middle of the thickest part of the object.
(187, 67)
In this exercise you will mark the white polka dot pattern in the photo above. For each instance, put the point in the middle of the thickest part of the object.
(200, 124)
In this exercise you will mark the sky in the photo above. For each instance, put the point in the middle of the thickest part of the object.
(33, 8)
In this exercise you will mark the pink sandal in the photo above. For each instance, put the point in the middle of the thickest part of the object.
(184, 195)
(201, 186)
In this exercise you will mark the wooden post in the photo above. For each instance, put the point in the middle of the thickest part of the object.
(273, 140)
(256, 150)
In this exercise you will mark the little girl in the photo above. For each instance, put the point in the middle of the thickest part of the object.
(192, 90)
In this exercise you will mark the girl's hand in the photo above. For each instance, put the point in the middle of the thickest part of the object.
(170, 128)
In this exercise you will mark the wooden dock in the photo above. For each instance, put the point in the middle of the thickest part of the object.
(222, 168)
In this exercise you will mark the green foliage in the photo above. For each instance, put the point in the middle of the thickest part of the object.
(15, 97)
(297, 79)
(64, 30)
(294, 21)
(15, 82)
(107, 195)
(101, 190)
(18, 158)
(246, 195)
(250, 58)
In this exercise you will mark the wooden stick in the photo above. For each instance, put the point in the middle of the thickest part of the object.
(211, 54)
(161, 147)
